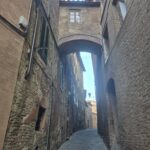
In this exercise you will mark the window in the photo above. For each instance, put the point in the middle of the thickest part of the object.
(75, 16)
(43, 50)
(36, 148)
(41, 113)
(123, 8)
(106, 44)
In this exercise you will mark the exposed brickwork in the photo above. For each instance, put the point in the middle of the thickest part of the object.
(128, 65)
(29, 91)
(14, 9)
(21, 136)
(9, 63)
(11, 45)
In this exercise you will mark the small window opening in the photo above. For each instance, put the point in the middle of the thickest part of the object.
(41, 113)
(75, 16)
(43, 50)
(106, 41)
(36, 148)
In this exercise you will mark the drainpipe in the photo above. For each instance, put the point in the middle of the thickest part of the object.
(50, 117)
(32, 46)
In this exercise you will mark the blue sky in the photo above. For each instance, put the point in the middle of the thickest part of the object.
(88, 75)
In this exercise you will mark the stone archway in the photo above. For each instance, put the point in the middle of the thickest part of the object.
(79, 37)
(80, 42)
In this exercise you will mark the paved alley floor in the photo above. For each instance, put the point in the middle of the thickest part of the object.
(84, 140)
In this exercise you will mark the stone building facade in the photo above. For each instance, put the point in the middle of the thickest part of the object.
(91, 114)
(79, 20)
(11, 45)
(35, 92)
(80, 30)
(76, 102)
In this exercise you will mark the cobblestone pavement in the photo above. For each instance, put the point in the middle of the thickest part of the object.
(84, 140)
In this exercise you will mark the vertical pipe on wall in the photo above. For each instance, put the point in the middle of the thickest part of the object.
(32, 46)
(49, 121)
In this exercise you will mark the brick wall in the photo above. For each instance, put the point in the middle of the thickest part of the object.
(9, 59)
(128, 65)
(12, 10)
(11, 45)
(27, 93)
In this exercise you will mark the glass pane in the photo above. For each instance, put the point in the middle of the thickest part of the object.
(123, 9)
(71, 13)
(72, 20)
(77, 13)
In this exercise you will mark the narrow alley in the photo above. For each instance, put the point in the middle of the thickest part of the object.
(87, 139)
(54, 97)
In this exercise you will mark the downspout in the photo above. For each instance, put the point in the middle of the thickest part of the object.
(32, 46)
(49, 122)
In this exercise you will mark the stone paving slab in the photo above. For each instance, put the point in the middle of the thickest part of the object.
(84, 140)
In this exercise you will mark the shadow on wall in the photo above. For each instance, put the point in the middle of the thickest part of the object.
(112, 115)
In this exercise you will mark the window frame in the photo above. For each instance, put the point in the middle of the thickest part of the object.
(106, 42)
(75, 16)
(44, 40)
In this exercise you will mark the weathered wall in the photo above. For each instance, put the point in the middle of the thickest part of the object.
(128, 65)
(94, 114)
(88, 116)
(11, 45)
(12, 10)
(77, 90)
(89, 25)
(28, 92)
(52, 10)
(91, 114)
(10, 53)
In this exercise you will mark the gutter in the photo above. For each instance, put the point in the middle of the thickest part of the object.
(32, 46)
(13, 27)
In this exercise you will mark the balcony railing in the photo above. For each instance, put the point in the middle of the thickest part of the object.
(84, 3)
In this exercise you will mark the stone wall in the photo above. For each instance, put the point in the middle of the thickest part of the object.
(128, 67)
(29, 91)
(14, 9)
(11, 45)
(91, 114)
(9, 57)
(77, 97)
(89, 25)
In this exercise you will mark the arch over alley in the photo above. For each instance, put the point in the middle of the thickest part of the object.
(80, 42)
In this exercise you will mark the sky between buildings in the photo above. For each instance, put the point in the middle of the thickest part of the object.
(88, 75)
